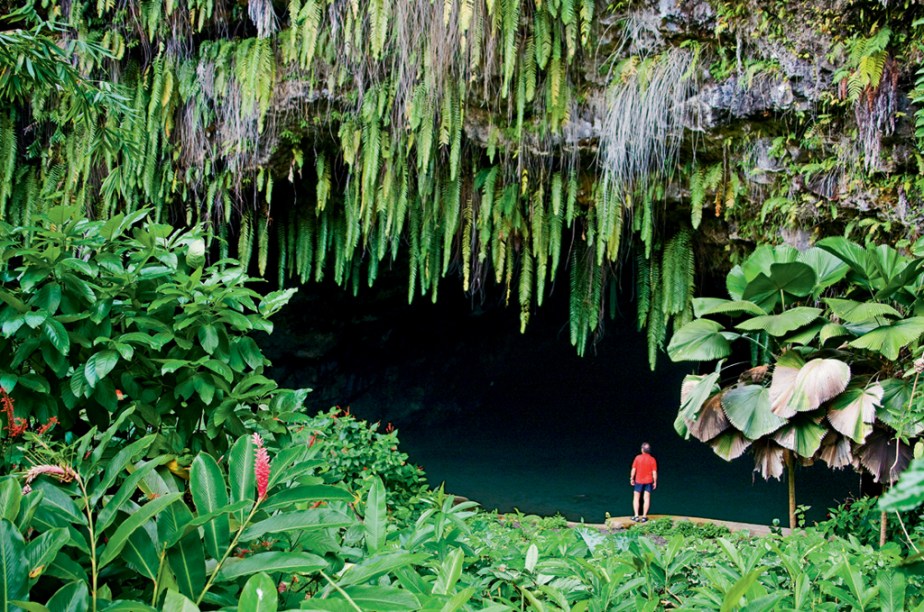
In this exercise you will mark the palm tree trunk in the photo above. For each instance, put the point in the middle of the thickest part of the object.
(883, 524)
(791, 482)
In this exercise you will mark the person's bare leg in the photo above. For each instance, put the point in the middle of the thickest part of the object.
(647, 501)
(635, 504)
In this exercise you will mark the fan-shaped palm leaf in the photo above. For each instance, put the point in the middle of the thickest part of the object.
(783, 383)
(853, 413)
(818, 381)
(883, 456)
(803, 437)
(889, 339)
(711, 420)
(860, 312)
(828, 268)
(768, 459)
(836, 451)
(832, 330)
(694, 392)
(730, 445)
(748, 409)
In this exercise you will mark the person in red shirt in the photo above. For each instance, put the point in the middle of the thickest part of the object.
(644, 479)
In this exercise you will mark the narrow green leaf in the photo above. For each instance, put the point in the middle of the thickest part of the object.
(120, 537)
(376, 519)
(72, 597)
(240, 473)
(14, 581)
(318, 518)
(10, 498)
(41, 551)
(176, 602)
(733, 598)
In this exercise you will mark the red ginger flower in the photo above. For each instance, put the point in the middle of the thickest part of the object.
(261, 467)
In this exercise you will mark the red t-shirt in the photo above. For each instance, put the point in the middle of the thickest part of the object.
(644, 466)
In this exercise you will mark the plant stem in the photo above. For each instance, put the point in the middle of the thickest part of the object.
(342, 592)
(93, 570)
(224, 557)
(791, 485)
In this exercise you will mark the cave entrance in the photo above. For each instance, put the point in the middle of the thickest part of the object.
(519, 421)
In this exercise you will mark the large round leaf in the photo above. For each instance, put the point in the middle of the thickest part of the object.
(762, 259)
(888, 340)
(748, 409)
(783, 323)
(854, 412)
(699, 340)
(818, 381)
(786, 280)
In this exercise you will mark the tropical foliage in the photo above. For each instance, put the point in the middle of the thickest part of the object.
(831, 377)
(95, 313)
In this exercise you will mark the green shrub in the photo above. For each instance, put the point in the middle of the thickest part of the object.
(97, 315)
(355, 452)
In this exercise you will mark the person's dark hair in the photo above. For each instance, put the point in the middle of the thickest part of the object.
(646, 448)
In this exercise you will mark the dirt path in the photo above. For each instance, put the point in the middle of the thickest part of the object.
(626, 522)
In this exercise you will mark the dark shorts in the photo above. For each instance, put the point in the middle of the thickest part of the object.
(643, 487)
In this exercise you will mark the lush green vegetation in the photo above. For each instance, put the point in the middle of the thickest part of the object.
(149, 463)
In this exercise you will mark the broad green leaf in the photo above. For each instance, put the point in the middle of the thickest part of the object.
(14, 580)
(202, 519)
(286, 498)
(382, 598)
(787, 282)
(126, 490)
(209, 493)
(818, 381)
(891, 590)
(828, 268)
(733, 598)
(699, 340)
(736, 282)
(748, 409)
(532, 557)
(451, 570)
(852, 311)
(10, 498)
(72, 597)
(240, 473)
(176, 602)
(908, 492)
(140, 553)
(888, 340)
(195, 253)
(806, 335)
(375, 522)
(187, 556)
(100, 365)
(304, 520)
(41, 551)
(120, 537)
(762, 259)
(374, 567)
(783, 323)
(270, 562)
(259, 595)
(853, 255)
(57, 335)
(854, 411)
(208, 337)
(117, 465)
(711, 306)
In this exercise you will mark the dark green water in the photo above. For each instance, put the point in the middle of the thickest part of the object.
(520, 421)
